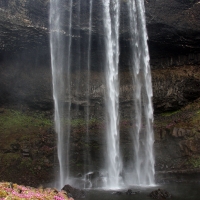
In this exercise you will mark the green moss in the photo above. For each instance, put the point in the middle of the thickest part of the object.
(195, 120)
(86, 145)
(9, 159)
(195, 162)
(198, 112)
(78, 122)
(93, 121)
(26, 163)
(15, 121)
(21, 128)
(79, 165)
(168, 114)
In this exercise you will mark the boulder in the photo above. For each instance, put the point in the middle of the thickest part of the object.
(160, 194)
(74, 192)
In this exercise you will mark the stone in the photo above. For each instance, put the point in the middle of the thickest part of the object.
(190, 133)
(160, 194)
(95, 179)
(117, 193)
(188, 147)
(26, 152)
(181, 132)
(163, 133)
(129, 192)
(93, 175)
(175, 132)
(74, 192)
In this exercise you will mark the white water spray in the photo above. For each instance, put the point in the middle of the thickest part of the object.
(87, 153)
(111, 28)
(143, 136)
(60, 63)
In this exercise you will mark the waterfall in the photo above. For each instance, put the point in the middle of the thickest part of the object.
(143, 136)
(60, 64)
(66, 25)
(87, 153)
(77, 44)
(111, 26)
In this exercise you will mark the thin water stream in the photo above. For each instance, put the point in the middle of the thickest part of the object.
(142, 134)
(87, 153)
(61, 74)
(113, 157)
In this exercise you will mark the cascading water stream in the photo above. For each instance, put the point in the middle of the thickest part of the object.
(87, 153)
(143, 136)
(60, 63)
(111, 28)
(61, 43)
(78, 57)
(68, 96)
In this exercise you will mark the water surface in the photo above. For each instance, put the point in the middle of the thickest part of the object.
(179, 191)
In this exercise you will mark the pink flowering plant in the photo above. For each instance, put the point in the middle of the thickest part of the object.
(19, 192)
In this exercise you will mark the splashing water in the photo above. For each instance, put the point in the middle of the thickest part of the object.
(111, 26)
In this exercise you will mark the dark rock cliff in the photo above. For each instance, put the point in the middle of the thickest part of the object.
(174, 43)
(173, 25)
(174, 40)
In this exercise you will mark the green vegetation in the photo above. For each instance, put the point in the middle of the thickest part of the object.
(25, 131)
(195, 162)
(78, 122)
(170, 113)
(198, 112)
(15, 121)
(9, 158)
(196, 119)
(82, 122)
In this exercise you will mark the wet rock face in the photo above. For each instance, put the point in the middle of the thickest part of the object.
(173, 25)
(177, 151)
(30, 84)
(174, 88)
(25, 72)
(23, 24)
(26, 83)
(74, 192)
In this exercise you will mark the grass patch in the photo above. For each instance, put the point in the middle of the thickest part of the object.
(16, 126)
(19, 132)
(78, 122)
(15, 121)
(168, 114)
